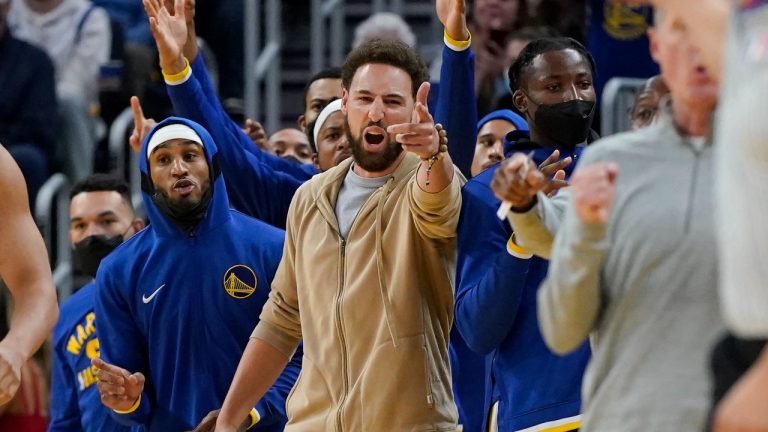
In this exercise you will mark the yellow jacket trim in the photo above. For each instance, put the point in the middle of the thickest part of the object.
(255, 417)
(455, 44)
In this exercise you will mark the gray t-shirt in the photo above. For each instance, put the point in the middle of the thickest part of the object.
(353, 193)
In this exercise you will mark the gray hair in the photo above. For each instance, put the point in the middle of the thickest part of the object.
(384, 25)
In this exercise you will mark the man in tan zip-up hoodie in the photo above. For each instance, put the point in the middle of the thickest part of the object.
(367, 273)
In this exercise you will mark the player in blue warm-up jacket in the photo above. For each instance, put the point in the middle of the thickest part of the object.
(101, 218)
(528, 385)
(177, 302)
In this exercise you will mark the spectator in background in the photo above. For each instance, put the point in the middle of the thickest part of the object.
(27, 105)
(491, 132)
(645, 110)
(291, 144)
(25, 270)
(492, 23)
(77, 36)
(617, 37)
(101, 218)
(321, 89)
(384, 25)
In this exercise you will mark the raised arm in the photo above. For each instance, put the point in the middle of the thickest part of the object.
(24, 268)
(456, 108)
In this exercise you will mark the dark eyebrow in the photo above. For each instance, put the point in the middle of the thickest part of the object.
(389, 95)
(102, 214)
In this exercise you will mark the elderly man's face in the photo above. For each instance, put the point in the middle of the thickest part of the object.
(179, 170)
(681, 65)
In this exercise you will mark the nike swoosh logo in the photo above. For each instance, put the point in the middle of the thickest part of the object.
(146, 299)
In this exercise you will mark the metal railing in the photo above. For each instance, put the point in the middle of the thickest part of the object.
(327, 17)
(263, 66)
(118, 150)
(55, 193)
(617, 99)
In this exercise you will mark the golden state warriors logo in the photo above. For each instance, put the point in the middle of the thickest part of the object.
(240, 281)
(624, 22)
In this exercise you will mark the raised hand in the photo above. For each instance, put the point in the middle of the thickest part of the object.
(10, 374)
(119, 389)
(141, 125)
(453, 16)
(517, 181)
(554, 168)
(419, 136)
(593, 190)
(170, 33)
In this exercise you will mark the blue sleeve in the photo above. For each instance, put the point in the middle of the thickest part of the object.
(211, 100)
(253, 187)
(489, 280)
(121, 341)
(271, 407)
(65, 411)
(456, 106)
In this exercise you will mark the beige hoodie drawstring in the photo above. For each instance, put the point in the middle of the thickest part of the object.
(380, 262)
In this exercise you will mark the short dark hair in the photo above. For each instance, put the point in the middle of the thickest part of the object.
(541, 46)
(103, 183)
(388, 52)
(327, 73)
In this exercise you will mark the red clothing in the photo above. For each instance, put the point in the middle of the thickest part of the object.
(28, 410)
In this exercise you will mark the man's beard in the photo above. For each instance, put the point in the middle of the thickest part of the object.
(373, 162)
(185, 212)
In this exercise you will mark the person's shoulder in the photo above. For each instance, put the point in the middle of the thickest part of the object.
(73, 309)
(129, 251)
(263, 230)
(479, 186)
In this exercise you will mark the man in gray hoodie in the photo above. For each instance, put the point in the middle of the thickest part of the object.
(634, 262)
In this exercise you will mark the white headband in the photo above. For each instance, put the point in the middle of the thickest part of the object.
(173, 131)
(329, 109)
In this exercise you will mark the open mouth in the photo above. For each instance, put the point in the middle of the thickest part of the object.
(184, 187)
(373, 136)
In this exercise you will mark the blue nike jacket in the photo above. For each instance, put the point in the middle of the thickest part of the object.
(259, 184)
(75, 402)
(180, 307)
(496, 314)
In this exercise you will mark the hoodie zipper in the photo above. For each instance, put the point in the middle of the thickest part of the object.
(342, 339)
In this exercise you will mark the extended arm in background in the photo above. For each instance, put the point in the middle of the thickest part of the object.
(24, 268)
(456, 108)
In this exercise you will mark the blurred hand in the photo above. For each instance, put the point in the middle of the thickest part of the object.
(208, 424)
(593, 191)
(10, 373)
(257, 134)
(490, 60)
(518, 179)
(119, 389)
(452, 14)
(419, 136)
(141, 125)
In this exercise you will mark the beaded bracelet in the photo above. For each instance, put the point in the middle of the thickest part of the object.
(442, 148)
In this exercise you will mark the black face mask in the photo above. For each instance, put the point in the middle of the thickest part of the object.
(565, 123)
(88, 252)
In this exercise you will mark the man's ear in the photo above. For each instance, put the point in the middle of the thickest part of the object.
(302, 123)
(344, 100)
(653, 43)
(316, 161)
(520, 101)
(138, 224)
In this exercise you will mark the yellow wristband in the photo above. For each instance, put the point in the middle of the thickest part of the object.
(178, 76)
(457, 44)
(131, 409)
(255, 417)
